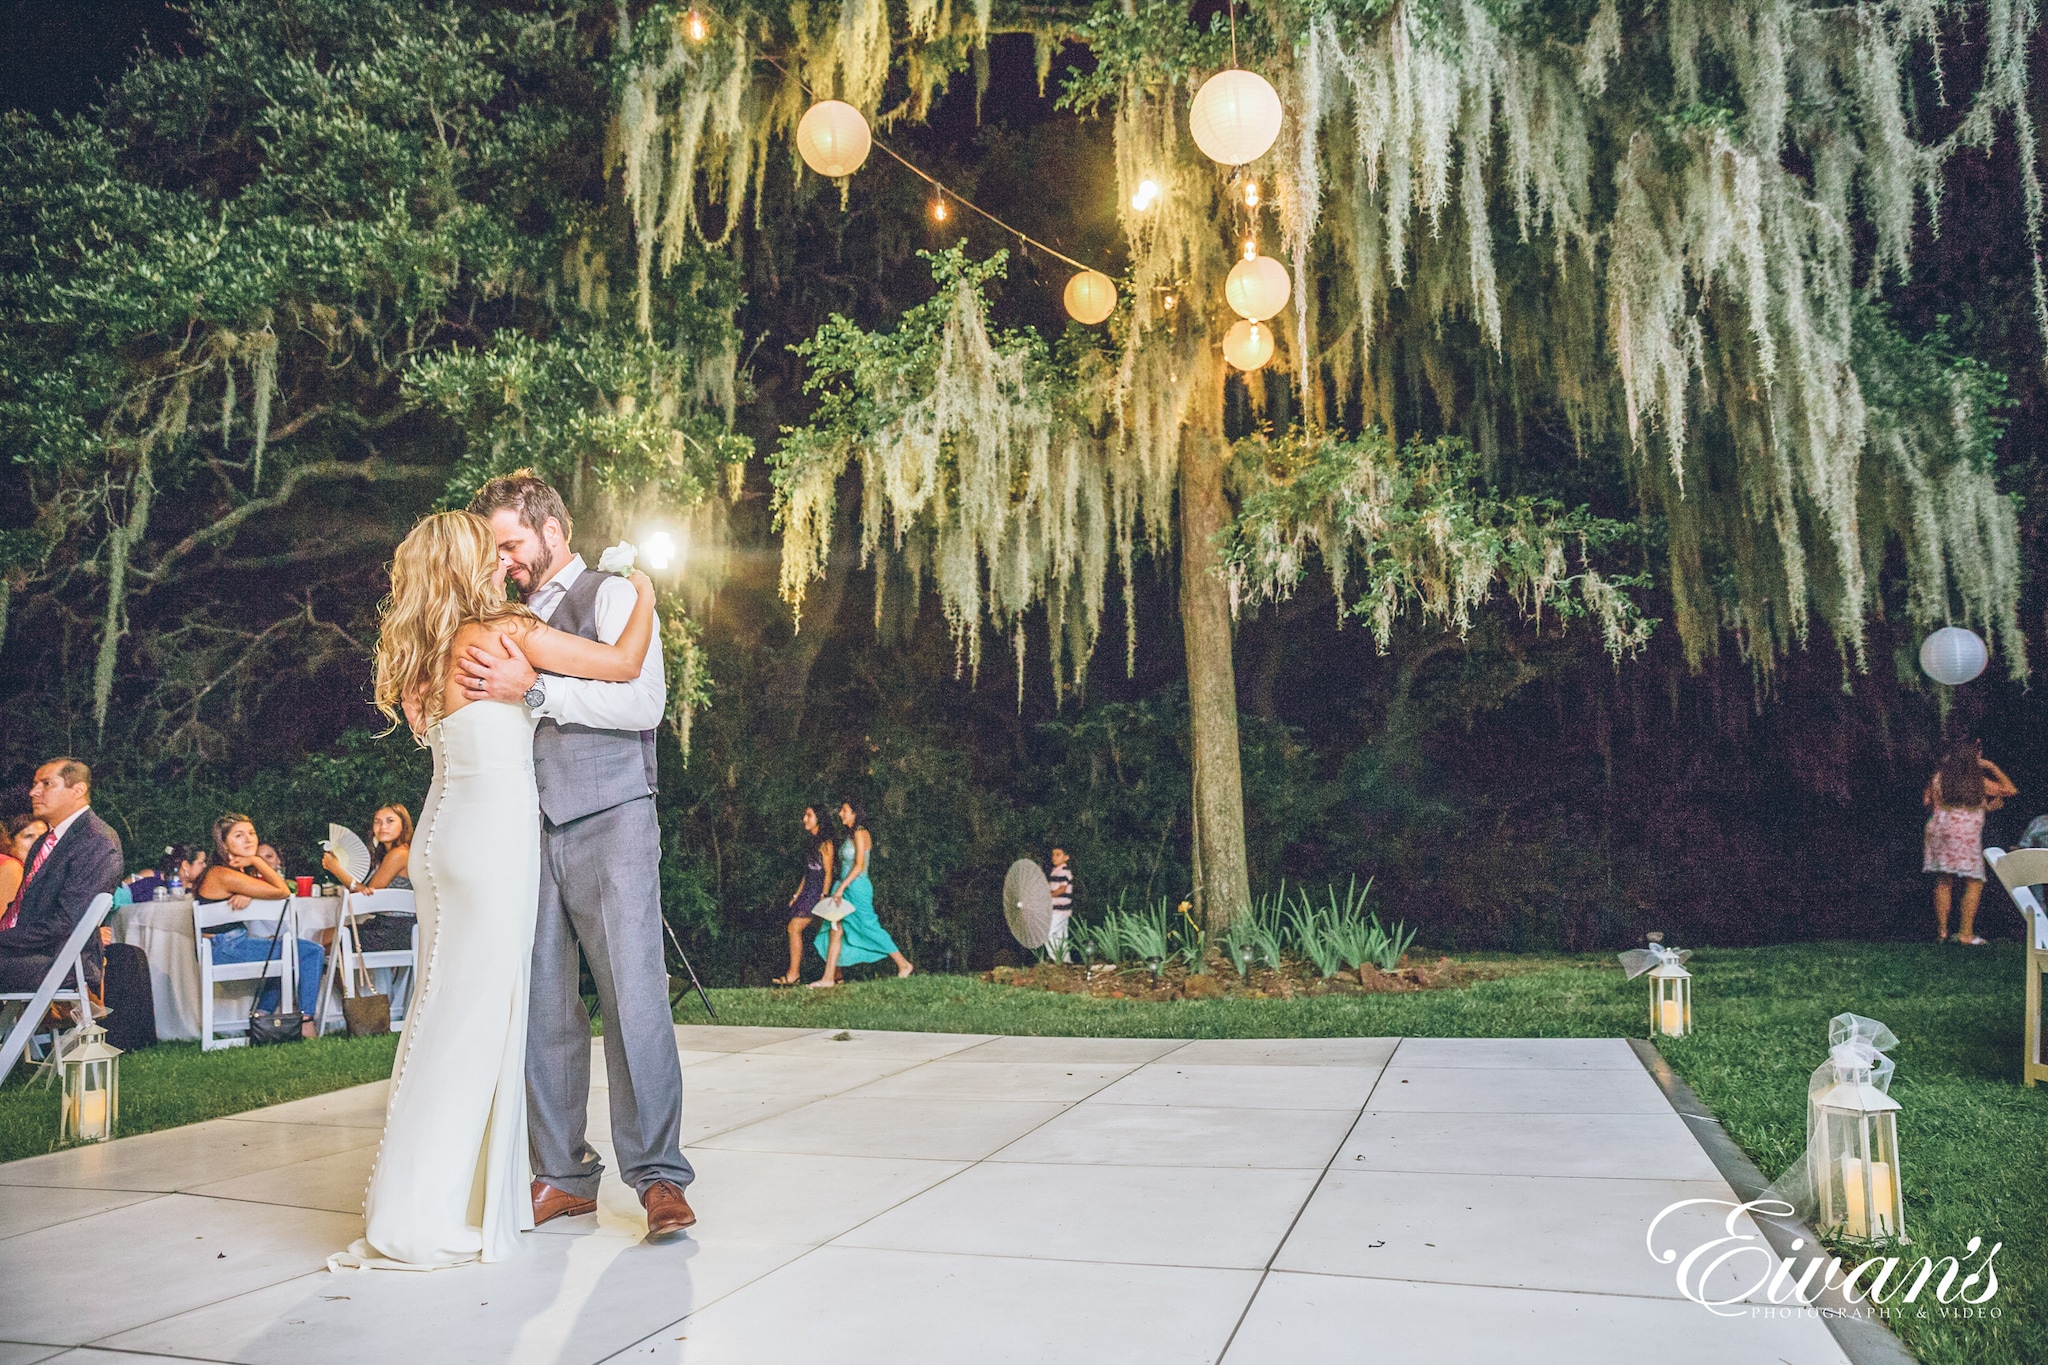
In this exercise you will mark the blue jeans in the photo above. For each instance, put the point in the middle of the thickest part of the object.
(239, 945)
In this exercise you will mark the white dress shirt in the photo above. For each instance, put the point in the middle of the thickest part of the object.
(62, 827)
(636, 705)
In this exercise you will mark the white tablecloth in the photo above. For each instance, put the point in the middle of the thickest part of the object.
(163, 930)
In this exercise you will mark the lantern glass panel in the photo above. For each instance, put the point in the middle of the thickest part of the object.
(1859, 1188)
(1670, 1003)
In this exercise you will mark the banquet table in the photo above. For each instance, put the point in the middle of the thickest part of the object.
(163, 930)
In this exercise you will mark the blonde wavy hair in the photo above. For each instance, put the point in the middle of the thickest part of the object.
(442, 579)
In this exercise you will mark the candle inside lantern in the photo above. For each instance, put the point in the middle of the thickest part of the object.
(92, 1113)
(1857, 1221)
(1671, 1018)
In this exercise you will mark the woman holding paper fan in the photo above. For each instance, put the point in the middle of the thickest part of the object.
(390, 854)
(859, 936)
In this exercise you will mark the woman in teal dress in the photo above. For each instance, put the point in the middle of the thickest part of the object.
(859, 937)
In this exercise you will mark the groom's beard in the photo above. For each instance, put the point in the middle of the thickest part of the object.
(535, 573)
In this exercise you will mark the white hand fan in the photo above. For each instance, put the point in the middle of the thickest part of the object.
(1027, 903)
(354, 854)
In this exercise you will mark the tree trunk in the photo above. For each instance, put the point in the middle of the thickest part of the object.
(1222, 879)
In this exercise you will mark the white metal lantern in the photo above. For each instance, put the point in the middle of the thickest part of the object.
(1953, 655)
(1090, 297)
(1258, 288)
(1235, 117)
(833, 138)
(92, 1087)
(1248, 345)
(1853, 1156)
(1670, 999)
(1670, 986)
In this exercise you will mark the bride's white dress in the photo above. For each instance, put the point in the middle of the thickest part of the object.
(451, 1181)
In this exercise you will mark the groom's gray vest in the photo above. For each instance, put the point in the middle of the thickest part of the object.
(578, 770)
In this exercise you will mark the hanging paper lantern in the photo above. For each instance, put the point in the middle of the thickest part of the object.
(1235, 117)
(1090, 297)
(1248, 345)
(833, 138)
(1257, 288)
(1953, 655)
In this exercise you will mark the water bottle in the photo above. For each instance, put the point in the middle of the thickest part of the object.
(177, 888)
(162, 893)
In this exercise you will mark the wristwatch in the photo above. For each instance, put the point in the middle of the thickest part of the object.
(535, 695)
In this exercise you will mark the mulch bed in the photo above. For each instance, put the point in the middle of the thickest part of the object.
(1293, 981)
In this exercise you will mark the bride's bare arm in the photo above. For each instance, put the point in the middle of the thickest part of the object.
(557, 651)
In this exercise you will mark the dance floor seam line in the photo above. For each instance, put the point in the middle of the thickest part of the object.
(1266, 1271)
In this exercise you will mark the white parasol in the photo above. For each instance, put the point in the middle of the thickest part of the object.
(1027, 903)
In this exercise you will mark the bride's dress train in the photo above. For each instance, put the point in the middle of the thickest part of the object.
(451, 1181)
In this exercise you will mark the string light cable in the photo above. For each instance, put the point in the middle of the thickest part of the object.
(945, 192)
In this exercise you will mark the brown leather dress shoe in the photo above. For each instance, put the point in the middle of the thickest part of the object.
(668, 1213)
(549, 1202)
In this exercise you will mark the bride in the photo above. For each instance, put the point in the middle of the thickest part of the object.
(450, 1183)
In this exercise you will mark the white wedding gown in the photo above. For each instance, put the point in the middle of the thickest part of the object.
(451, 1181)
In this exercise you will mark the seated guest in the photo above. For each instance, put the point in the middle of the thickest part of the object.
(78, 858)
(390, 854)
(390, 849)
(270, 855)
(181, 864)
(235, 874)
(18, 834)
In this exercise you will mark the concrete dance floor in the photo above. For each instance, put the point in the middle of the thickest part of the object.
(910, 1197)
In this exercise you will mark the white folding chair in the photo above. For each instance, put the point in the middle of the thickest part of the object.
(283, 965)
(2021, 871)
(67, 965)
(399, 968)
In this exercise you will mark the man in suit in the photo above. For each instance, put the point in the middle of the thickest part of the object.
(78, 858)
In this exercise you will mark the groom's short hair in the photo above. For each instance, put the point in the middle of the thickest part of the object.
(527, 494)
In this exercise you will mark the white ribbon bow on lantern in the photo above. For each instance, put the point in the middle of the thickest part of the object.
(618, 559)
(1636, 961)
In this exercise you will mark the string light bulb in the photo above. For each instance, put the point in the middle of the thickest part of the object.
(938, 210)
(1251, 194)
(833, 138)
(1248, 345)
(694, 27)
(1147, 195)
(1251, 249)
(1170, 301)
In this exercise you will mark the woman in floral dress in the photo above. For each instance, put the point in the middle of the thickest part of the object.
(1963, 788)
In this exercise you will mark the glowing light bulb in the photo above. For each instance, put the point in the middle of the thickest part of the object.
(1147, 195)
(659, 549)
(1251, 194)
(1171, 300)
(938, 210)
(694, 27)
(1251, 249)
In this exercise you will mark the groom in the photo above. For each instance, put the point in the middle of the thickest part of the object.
(600, 881)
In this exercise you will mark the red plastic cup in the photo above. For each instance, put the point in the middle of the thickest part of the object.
(305, 886)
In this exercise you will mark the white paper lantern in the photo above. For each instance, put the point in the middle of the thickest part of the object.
(1248, 345)
(1257, 288)
(1090, 297)
(1235, 117)
(833, 138)
(1953, 655)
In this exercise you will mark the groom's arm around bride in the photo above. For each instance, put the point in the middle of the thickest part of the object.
(600, 875)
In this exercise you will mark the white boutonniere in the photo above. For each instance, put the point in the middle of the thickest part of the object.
(618, 559)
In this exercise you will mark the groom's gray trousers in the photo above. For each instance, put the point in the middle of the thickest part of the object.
(600, 890)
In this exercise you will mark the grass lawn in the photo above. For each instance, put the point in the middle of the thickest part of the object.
(1974, 1141)
(173, 1084)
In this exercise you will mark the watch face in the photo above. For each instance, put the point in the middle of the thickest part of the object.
(534, 695)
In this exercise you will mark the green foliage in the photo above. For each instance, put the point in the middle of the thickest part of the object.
(1416, 526)
(237, 282)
